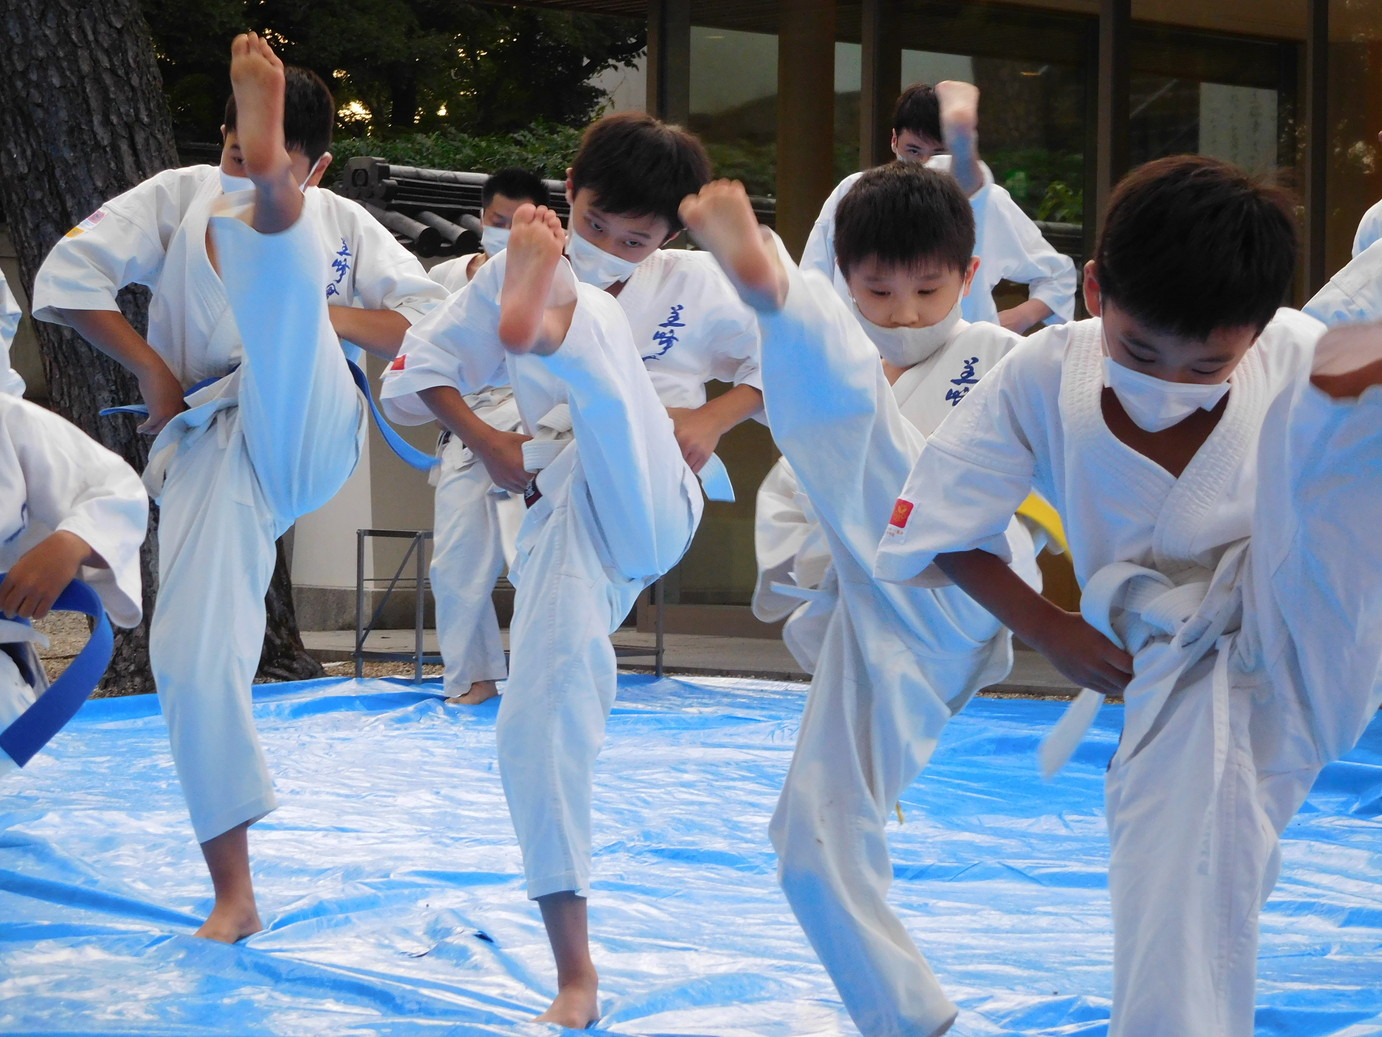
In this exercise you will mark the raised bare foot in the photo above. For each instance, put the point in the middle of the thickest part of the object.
(256, 75)
(722, 220)
(576, 1005)
(230, 922)
(959, 104)
(480, 691)
(525, 316)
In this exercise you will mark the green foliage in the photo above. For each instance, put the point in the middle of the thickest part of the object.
(1039, 181)
(546, 150)
(490, 69)
(1062, 204)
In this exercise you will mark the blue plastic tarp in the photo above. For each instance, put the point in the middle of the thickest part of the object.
(389, 880)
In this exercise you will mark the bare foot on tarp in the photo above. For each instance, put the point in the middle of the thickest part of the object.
(480, 691)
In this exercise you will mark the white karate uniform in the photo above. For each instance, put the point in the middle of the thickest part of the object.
(617, 508)
(272, 439)
(1354, 294)
(895, 663)
(1009, 246)
(690, 327)
(1249, 590)
(1369, 229)
(474, 525)
(451, 273)
(792, 552)
(55, 478)
(10, 382)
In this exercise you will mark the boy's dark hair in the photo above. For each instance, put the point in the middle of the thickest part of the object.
(1192, 244)
(918, 110)
(309, 112)
(635, 165)
(906, 215)
(518, 184)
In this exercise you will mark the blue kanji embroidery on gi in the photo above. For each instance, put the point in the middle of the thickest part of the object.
(341, 264)
(666, 336)
(963, 383)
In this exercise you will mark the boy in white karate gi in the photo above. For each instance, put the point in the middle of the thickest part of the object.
(271, 438)
(1009, 245)
(895, 663)
(931, 368)
(480, 480)
(10, 381)
(69, 508)
(500, 196)
(1221, 512)
(613, 510)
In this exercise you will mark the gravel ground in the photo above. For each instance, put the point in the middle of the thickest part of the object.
(67, 632)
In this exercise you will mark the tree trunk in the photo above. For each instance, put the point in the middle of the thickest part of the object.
(83, 118)
(284, 658)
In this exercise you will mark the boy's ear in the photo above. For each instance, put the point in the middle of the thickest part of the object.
(1093, 298)
(323, 164)
(570, 188)
(969, 275)
(223, 133)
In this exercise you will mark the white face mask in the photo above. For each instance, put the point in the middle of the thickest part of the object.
(1155, 404)
(231, 183)
(594, 265)
(907, 347)
(494, 239)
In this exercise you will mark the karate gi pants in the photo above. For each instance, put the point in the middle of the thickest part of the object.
(618, 509)
(237, 479)
(467, 559)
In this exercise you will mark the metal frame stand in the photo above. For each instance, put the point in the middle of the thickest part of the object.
(417, 554)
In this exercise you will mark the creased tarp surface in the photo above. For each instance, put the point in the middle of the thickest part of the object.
(389, 879)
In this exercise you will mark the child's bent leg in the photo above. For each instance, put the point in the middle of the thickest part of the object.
(861, 744)
(579, 346)
(467, 558)
(216, 555)
(647, 501)
(299, 406)
(300, 410)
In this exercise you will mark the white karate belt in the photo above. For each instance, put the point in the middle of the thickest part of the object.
(552, 436)
(1168, 627)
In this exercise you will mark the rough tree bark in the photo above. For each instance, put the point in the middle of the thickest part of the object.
(83, 118)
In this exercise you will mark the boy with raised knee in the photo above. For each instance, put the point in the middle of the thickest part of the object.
(257, 416)
(615, 506)
(891, 664)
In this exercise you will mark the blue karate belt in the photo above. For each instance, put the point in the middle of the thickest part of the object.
(409, 454)
(60, 702)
